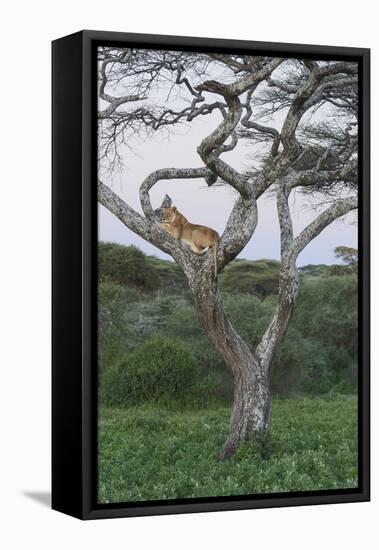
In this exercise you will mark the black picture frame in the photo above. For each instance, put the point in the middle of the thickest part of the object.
(74, 369)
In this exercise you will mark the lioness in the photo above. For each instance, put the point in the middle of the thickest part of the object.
(198, 237)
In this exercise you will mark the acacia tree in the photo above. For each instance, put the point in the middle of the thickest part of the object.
(348, 255)
(308, 152)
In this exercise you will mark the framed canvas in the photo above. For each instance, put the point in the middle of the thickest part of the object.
(210, 275)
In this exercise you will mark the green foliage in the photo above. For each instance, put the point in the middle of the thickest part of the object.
(249, 315)
(158, 369)
(213, 380)
(348, 255)
(337, 270)
(129, 266)
(344, 253)
(313, 270)
(327, 311)
(319, 352)
(304, 366)
(170, 274)
(317, 356)
(149, 453)
(125, 265)
(114, 333)
(259, 277)
(164, 390)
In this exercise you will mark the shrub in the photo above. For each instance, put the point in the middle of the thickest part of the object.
(171, 276)
(307, 366)
(317, 356)
(319, 352)
(158, 369)
(287, 373)
(126, 265)
(249, 315)
(327, 311)
(259, 277)
(114, 301)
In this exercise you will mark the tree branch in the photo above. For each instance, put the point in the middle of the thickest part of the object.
(340, 208)
(166, 174)
(212, 145)
(305, 97)
(285, 218)
(114, 102)
(247, 123)
(147, 229)
(288, 278)
(239, 230)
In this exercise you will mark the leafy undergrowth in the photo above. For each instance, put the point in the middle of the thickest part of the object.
(152, 453)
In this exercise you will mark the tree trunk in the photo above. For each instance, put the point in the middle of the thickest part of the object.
(251, 412)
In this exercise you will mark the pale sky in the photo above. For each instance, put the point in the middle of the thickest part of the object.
(211, 206)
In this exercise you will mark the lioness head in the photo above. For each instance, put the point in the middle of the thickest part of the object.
(169, 214)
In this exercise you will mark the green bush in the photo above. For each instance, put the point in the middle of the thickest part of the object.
(306, 366)
(318, 369)
(114, 326)
(249, 315)
(158, 369)
(313, 270)
(327, 318)
(319, 353)
(327, 311)
(287, 371)
(259, 277)
(126, 265)
(171, 276)
(317, 356)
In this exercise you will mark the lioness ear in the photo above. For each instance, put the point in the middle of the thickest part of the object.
(174, 208)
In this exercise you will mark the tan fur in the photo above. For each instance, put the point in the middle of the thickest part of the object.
(199, 237)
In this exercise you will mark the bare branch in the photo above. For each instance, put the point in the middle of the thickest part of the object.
(288, 282)
(146, 229)
(285, 218)
(243, 84)
(208, 149)
(304, 98)
(338, 209)
(247, 123)
(166, 174)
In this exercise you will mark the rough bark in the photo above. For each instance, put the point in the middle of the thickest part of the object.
(252, 399)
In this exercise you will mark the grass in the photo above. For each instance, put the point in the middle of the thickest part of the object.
(153, 453)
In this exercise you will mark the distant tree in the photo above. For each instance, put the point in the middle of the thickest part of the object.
(301, 151)
(348, 255)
